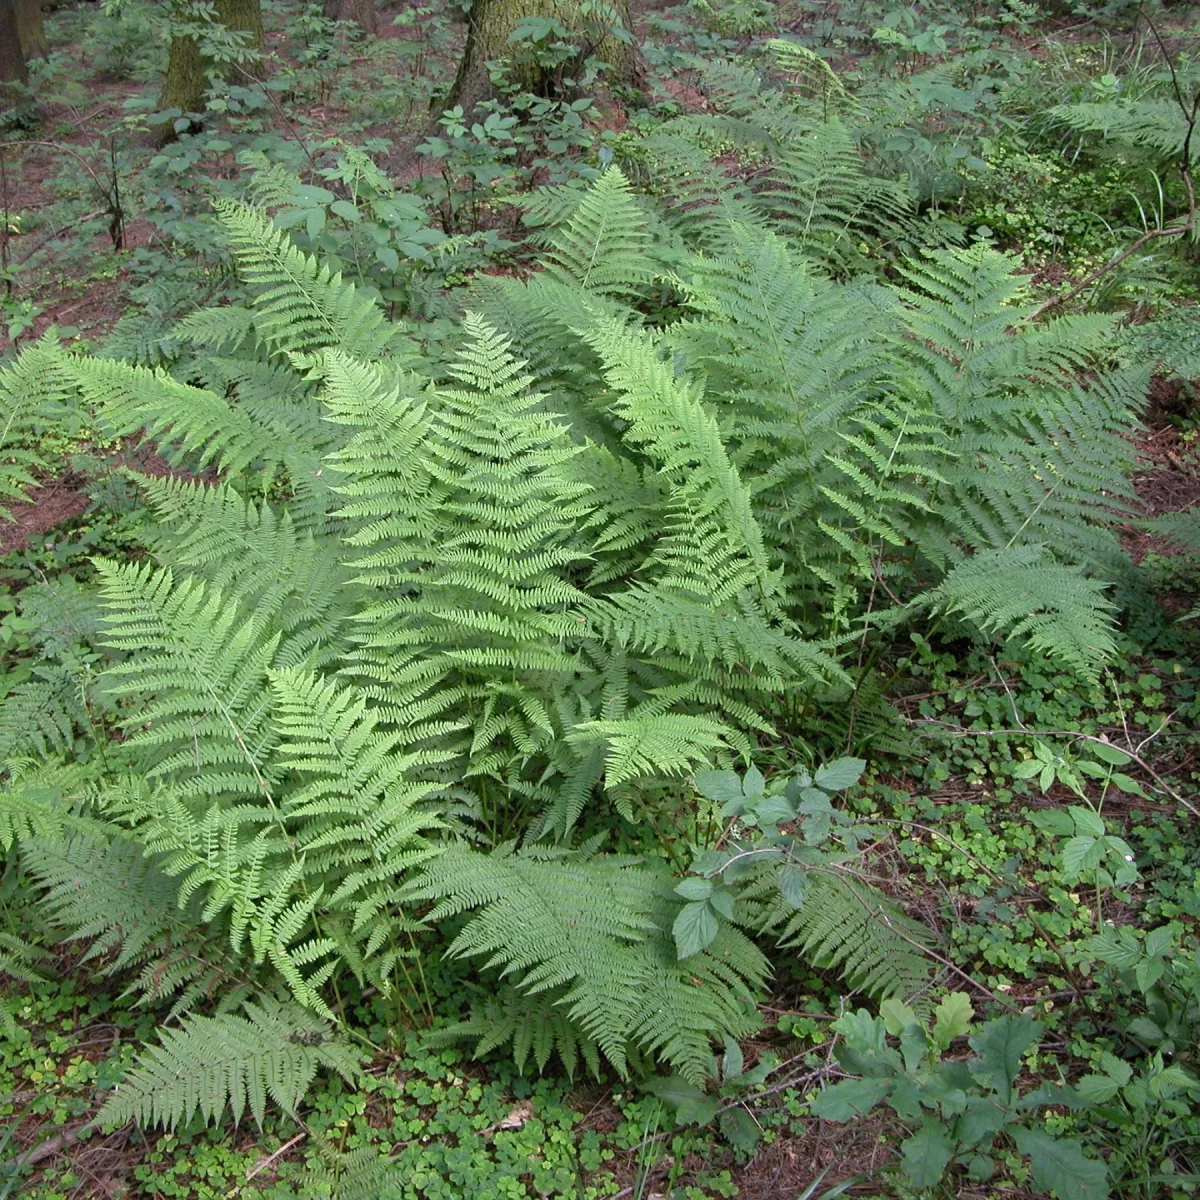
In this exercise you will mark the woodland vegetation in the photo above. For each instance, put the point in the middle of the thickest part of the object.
(599, 600)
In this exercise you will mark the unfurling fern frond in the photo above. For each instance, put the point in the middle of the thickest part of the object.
(214, 1063)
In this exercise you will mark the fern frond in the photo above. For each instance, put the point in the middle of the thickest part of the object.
(214, 1063)
(199, 669)
(35, 391)
(1022, 593)
(605, 247)
(299, 304)
(594, 934)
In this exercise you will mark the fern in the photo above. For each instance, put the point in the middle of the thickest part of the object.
(34, 393)
(214, 1063)
(594, 934)
(1021, 591)
(845, 926)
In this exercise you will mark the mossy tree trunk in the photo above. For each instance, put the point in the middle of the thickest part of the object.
(358, 12)
(31, 31)
(12, 59)
(491, 22)
(188, 68)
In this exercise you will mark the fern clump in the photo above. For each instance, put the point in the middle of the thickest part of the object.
(416, 629)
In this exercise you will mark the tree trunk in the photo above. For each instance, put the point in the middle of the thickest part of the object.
(358, 12)
(12, 60)
(490, 22)
(31, 31)
(188, 70)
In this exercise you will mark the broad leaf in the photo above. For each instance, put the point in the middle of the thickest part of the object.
(927, 1154)
(1061, 1167)
(840, 774)
(1000, 1045)
(952, 1019)
(851, 1098)
(694, 928)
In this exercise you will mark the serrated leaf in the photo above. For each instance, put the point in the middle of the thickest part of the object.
(1087, 823)
(1027, 768)
(695, 927)
(753, 783)
(722, 901)
(1096, 1089)
(840, 774)
(1053, 821)
(773, 810)
(1159, 941)
(1126, 783)
(793, 884)
(1060, 1166)
(740, 1130)
(695, 888)
(1080, 854)
(721, 786)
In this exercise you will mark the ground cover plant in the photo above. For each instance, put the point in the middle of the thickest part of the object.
(616, 620)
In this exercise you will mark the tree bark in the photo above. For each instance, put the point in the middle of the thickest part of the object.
(188, 70)
(12, 59)
(31, 31)
(357, 12)
(490, 22)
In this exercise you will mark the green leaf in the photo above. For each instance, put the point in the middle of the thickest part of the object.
(772, 810)
(1026, 769)
(1097, 1089)
(721, 786)
(740, 1130)
(840, 774)
(851, 1098)
(722, 901)
(733, 1064)
(927, 1154)
(1060, 1166)
(690, 1104)
(793, 884)
(1000, 1045)
(694, 928)
(753, 784)
(1080, 854)
(1087, 823)
(952, 1019)
(1053, 821)
(1126, 783)
(695, 888)
(897, 1016)
(1109, 754)
(982, 1120)
(1159, 941)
